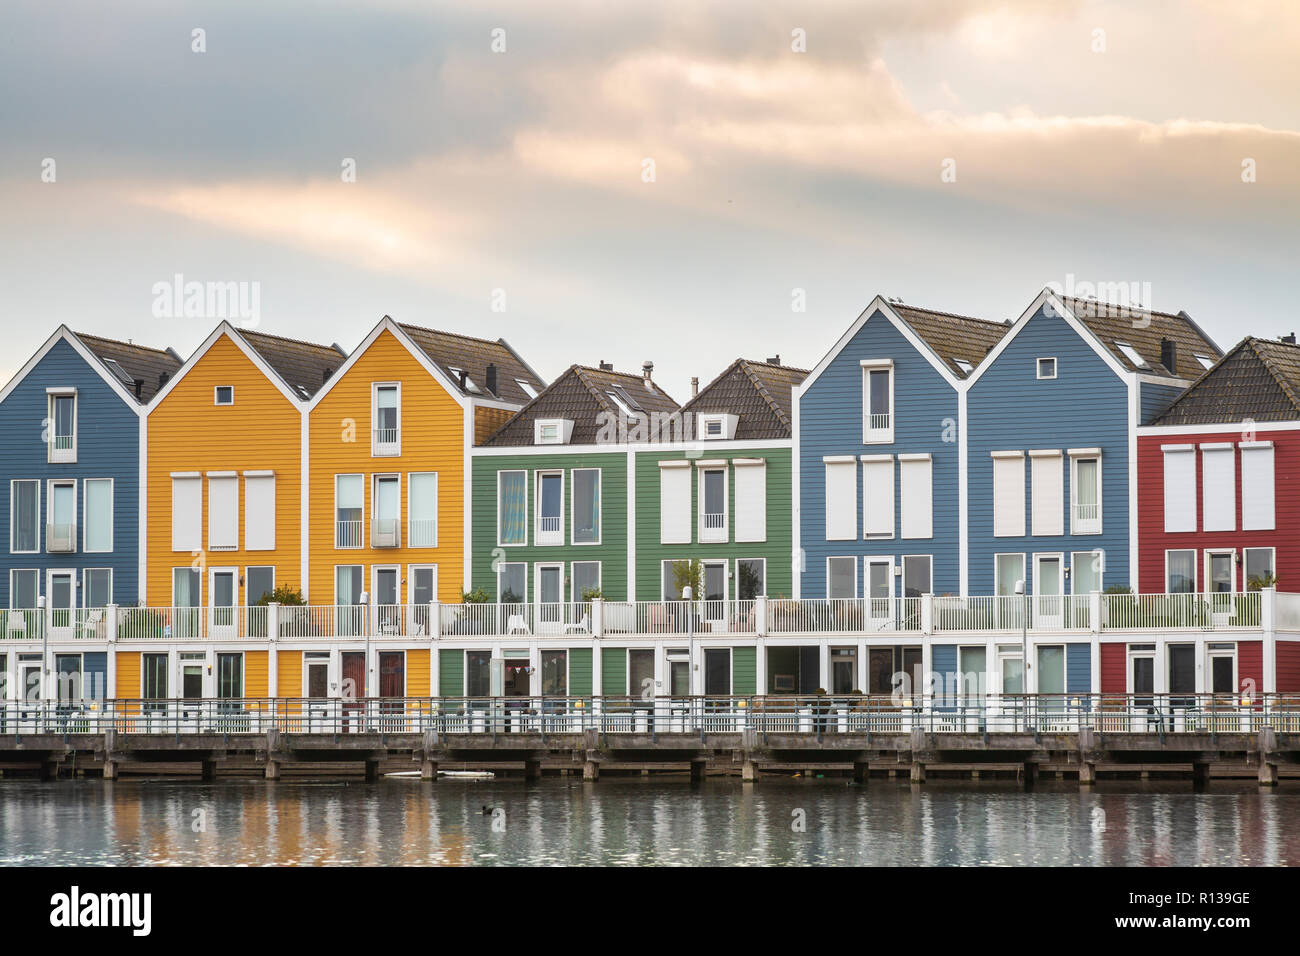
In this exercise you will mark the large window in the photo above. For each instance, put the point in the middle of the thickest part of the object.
(555, 673)
(24, 517)
(1010, 569)
(877, 402)
(99, 514)
(751, 578)
(713, 504)
(61, 535)
(423, 510)
(1218, 487)
(512, 582)
(1260, 568)
(916, 496)
(63, 427)
(550, 508)
(1180, 571)
(259, 582)
(259, 511)
(386, 505)
(586, 506)
(512, 507)
(97, 587)
(24, 587)
(1008, 494)
(751, 499)
(674, 502)
(878, 496)
(1180, 487)
(1257, 491)
(916, 575)
(584, 578)
(386, 437)
(349, 490)
(1085, 490)
(841, 498)
(1047, 493)
(187, 512)
(1086, 571)
(153, 676)
(223, 511)
(841, 577)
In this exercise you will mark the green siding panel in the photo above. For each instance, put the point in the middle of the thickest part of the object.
(744, 670)
(580, 672)
(451, 673)
(613, 671)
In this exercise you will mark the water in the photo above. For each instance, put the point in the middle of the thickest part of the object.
(642, 822)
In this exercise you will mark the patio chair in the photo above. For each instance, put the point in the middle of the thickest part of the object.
(582, 627)
(94, 621)
(517, 625)
(16, 624)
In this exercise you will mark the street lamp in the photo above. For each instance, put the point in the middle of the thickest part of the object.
(1024, 648)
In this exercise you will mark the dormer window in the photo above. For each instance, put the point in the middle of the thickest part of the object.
(61, 429)
(552, 431)
(877, 401)
(717, 427)
(1131, 354)
(223, 395)
(1047, 368)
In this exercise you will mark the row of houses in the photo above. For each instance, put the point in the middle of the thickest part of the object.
(424, 514)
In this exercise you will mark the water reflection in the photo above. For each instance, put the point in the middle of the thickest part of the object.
(637, 822)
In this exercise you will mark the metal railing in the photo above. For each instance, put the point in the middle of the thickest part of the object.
(347, 534)
(423, 533)
(1112, 714)
(386, 439)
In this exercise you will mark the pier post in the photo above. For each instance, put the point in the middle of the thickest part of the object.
(1200, 773)
(1267, 774)
(918, 772)
(272, 770)
(1087, 774)
(1267, 743)
(372, 771)
(208, 769)
(428, 769)
(861, 771)
(532, 769)
(1031, 774)
(590, 770)
(748, 772)
(698, 766)
(110, 769)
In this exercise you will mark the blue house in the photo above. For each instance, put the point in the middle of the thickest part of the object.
(878, 480)
(70, 490)
(1051, 439)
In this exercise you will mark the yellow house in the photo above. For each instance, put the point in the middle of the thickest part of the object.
(224, 508)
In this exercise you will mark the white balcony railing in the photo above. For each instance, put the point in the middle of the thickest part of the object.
(1087, 518)
(423, 533)
(347, 534)
(714, 520)
(60, 538)
(386, 441)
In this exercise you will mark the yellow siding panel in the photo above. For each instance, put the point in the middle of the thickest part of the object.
(188, 432)
(417, 673)
(255, 674)
(127, 679)
(432, 440)
(288, 675)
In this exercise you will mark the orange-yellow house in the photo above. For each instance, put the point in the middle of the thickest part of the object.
(224, 507)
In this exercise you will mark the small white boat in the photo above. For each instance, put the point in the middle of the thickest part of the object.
(467, 774)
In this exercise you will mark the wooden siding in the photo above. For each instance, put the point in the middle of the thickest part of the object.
(1154, 399)
(777, 549)
(488, 421)
(744, 670)
(1153, 541)
(288, 674)
(451, 673)
(108, 446)
(1114, 665)
(613, 671)
(1250, 667)
(262, 430)
(1010, 409)
(1288, 667)
(1078, 668)
(256, 674)
(612, 550)
(580, 671)
(418, 675)
(127, 679)
(925, 420)
(432, 440)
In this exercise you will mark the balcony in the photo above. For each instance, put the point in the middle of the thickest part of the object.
(550, 530)
(878, 427)
(386, 441)
(60, 538)
(63, 448)
(348, 534)
(1087, 519)
(385, 533)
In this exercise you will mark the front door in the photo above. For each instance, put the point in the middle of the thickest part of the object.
(844, 670)
(1219, 574)
(1143, 679)
(59, 587)
(1048, 602)
(354, 688)
(717, 671)
(550, 590)
(880, 588)
(221, 612)
(392, 674)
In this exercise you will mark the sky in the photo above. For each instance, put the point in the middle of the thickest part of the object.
(684, 182)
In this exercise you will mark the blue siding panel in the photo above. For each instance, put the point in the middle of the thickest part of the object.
(830, 423)
(1010, 409)
(94, 675)
(108, 444)
(943, 664)
(1154, 399)
(1078, 668)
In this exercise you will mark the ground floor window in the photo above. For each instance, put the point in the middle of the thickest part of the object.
(478, 673)
(717, 670)
(555, 673)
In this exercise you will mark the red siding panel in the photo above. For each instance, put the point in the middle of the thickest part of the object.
(1113, 678)
(1288, 667)
(1250, 666)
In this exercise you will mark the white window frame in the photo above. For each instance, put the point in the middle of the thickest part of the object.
(868, 461)
(880, 434)
(726, 425)
(380, 449)
(1038, 367)
(85, 499)
(527, 388)
(527, 511)
(254, 532)
(249, 599)
(374, 501)
(1218, 452)
(888, 561)
(1168, 455)
(704, 534)
(751, 524)
(85, 585)
(1135, 652)
(1132, 354)
(1023, 565)
(1051, 524)
(573, 509)
(397, 580)
(1100, 557)
(1207, 555)
(1213, 650)
(12, 572)
(670, 472)
(202, 584)
(902, 563)
(1252, 496)
(538, 568)
(850, 465)
(40, 534)
(1245, 562)
(1018, 524)
(561, 430)
(53, 455)
(50, 485)
(233, 478)
(854, 576)
(550, 538)
(736, 572)
(1077, 525)
(909, 495)
(1196, 569)
(361, 538)
(574, 596)
(410, 538)
(216, 396)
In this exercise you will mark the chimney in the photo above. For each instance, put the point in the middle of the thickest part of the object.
(775, 359)
(325, 375)
(139, 387)
(647, 369)
(162, 379)
(1289, 338)
(1169, 355)
(606, 366)
(492, 378)
(463, 377)
(695, 385)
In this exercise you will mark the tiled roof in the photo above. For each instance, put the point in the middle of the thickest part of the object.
(1143, 331)
(455, 353)
(304, 366)
(140, 364)
(758, 393)
(953, 337)
(580, 395)
(1259, 379)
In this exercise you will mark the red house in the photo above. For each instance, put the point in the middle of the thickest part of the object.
(1219, 506)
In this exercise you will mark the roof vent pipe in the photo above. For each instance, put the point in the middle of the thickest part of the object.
(647, 369)
(695, 385)
(775, 359)
(492, 378)
(1169, 355)
(1289, 338)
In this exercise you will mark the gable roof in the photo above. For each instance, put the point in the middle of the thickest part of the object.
(139, 363)
(758, 393)
(454, 353)
(953, 336)
(303, 366)
(1144, 330)
(96, 361)
(580, 395)
(1259, 379)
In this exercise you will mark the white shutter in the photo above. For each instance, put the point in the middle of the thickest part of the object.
(1180, 489)
(1009, 497)
(1047, 489)
(916, 495)
(1218, 489)
(1257, 487)
(751, 501)
(878, 497)
(842, 500)
(675, 505)
(259, 512)
(187, 514)
(223, 513)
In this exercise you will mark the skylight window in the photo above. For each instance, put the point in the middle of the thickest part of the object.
(120, 372)
(456, 373)
(627, 399)
(964, 365)
(1131, 354)
(622, 405)
(527, 388)
(1205, 360)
